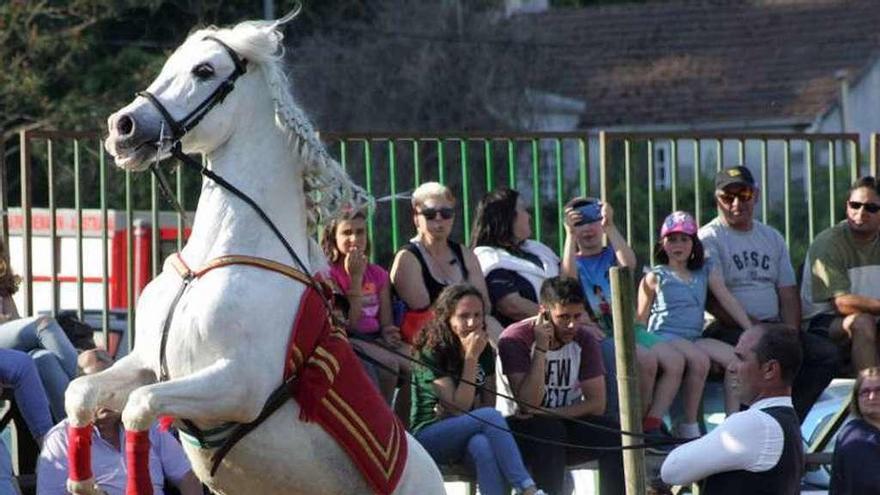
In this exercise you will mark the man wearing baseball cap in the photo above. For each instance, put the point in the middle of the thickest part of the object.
(757, 269)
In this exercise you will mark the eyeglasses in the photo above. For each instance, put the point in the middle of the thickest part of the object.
(743, 195)
(867, 391)
(431, 213)
(869, 207)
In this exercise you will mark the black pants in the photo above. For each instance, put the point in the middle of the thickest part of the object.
(547, 463)
(820, 365)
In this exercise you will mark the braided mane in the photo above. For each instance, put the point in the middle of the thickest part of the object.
(328, 188)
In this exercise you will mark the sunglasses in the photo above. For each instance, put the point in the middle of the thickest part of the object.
(869, 207)
(431, 213)
(743, 195)
(867, 391)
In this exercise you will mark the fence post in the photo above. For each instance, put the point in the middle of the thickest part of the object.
(622, 303)
(27, 234)
(4, 199)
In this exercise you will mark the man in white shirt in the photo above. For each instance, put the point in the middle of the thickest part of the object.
(757, 451)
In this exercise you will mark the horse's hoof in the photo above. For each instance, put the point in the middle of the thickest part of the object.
(85, 487)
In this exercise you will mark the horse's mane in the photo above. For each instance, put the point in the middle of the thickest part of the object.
(328, 188)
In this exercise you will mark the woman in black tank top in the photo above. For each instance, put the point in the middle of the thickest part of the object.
(431, 261)
(433, 285)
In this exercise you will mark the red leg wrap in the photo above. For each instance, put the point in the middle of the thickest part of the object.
(79, 452)
(137, 458)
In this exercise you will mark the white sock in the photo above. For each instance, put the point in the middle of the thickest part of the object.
(688, 430)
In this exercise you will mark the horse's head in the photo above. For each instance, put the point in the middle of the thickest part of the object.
(192, 100)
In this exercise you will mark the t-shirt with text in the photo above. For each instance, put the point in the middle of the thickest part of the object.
(565, 368)
(754, 264)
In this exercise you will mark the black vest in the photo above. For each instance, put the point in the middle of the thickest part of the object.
(782, 479)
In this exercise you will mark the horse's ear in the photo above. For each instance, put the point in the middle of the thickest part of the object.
(297, 9)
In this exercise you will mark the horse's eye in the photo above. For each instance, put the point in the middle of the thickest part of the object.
(203, 71)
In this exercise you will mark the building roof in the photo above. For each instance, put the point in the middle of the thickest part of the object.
(700, 61)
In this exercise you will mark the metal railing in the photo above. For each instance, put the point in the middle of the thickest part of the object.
(793, 171)
(803, 178)
(55, 162)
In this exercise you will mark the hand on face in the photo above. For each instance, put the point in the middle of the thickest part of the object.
(355, 264)
(543, 331)
(474, 343)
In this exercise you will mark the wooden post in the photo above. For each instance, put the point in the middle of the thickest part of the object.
(622, 304)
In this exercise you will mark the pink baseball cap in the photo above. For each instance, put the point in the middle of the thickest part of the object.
(679, 221)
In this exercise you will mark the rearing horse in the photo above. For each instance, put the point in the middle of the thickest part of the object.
(226, 339)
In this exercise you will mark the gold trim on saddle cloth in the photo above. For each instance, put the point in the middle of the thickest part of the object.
(355, 426)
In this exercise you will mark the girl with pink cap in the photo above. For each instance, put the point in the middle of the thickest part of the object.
(672, 298)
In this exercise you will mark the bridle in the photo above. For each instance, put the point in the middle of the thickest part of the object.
(179, 128)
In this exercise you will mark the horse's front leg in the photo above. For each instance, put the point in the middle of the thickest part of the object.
(219, 393)
(109, 388)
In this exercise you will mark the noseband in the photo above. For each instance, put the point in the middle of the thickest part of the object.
(180, 127)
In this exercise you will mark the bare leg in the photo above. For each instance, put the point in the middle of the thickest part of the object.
(670, 363)
(697, 368)
(722, 354)
(862, 330)
(647, 360)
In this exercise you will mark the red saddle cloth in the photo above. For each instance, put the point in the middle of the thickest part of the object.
(333, 390)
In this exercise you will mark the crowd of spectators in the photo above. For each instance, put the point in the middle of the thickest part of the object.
(554, 360)
(500, 355)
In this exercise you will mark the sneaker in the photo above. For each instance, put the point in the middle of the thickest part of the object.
(659, 442)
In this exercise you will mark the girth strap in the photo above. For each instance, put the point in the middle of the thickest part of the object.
(280, 395)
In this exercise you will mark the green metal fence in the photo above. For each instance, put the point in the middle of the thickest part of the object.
(803, 179)
(71, 170)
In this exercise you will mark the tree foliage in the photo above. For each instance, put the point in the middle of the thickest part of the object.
(69, 64)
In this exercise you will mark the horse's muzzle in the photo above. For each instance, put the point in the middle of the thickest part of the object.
(134, 135)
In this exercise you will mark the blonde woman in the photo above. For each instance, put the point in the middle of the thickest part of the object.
(431, 261)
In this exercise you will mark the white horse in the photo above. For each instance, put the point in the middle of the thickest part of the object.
(225, 348)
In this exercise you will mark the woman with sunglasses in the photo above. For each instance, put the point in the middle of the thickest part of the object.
(514, 265)
(453, 409)
(431, 261)
(857, 451)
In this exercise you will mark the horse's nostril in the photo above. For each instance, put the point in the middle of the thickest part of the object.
(124, 125)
